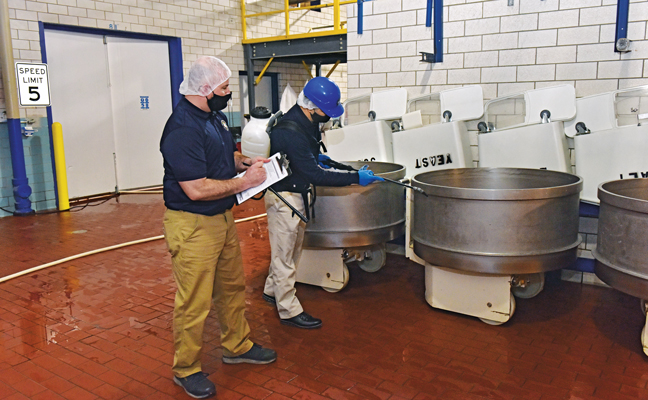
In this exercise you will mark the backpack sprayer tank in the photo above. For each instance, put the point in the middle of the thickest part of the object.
(254, 138)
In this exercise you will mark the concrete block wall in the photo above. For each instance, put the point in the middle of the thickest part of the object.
(206, 27)
(505, 49)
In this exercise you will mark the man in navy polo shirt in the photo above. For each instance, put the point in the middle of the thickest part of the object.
(200, 164)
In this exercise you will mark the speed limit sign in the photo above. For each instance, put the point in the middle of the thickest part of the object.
(33, 85)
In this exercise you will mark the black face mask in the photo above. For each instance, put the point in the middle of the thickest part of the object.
(217, 102)
(317, 119)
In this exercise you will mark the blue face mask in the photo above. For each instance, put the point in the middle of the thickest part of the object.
(217, 102)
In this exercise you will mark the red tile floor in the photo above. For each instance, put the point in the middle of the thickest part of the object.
(98, 327)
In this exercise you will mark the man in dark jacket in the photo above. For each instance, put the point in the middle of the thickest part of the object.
(298, 136)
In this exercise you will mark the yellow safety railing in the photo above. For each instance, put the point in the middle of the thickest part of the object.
(336, 28)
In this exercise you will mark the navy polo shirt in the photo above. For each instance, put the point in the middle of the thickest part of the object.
(196, 144)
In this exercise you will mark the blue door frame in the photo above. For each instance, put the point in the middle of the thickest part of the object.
(175, 65)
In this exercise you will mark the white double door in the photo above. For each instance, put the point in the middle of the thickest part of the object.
(112, 96)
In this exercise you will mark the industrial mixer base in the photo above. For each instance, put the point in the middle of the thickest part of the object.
(328, 267)
(487, 297)
(323, 267)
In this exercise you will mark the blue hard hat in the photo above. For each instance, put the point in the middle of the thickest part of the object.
(325, 94)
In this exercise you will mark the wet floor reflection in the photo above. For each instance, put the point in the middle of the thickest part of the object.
(100, 327)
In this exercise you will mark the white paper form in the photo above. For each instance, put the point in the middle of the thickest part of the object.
(274, 171)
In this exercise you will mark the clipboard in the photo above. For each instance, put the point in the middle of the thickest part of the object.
(275, 172)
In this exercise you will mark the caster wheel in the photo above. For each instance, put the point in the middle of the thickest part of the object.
(345, 278)
(494, 323)
(375, 261)
(534, 285)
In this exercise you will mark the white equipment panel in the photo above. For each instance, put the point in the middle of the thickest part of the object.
(370, 141)
(389, 104)
(432, 147)
(465, 103)
(541, 146)
(597, 112)
(440, 145)
(559, 100)
(609, 155)
(531, 143)
(611, 150)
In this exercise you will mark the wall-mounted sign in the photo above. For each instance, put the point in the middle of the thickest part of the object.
(144, 102)
(33, 84)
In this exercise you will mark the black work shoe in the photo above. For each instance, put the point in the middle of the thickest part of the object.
(196, 385)
(269, 299)
(303, 320)
(256, 355)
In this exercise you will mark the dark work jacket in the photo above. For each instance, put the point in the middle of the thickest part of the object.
(302, 149)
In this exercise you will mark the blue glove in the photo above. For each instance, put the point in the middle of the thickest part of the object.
(366, 176)
(323, 158)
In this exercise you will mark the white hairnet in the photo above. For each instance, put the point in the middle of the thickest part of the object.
(303, 101)
(204, 76)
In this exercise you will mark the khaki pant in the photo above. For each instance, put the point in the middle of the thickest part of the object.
(286, 237)
(207, 267)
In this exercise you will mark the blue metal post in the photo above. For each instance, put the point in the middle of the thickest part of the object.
(428, 14)
(438, 30)
(621, 21)
(21, 188)
(360, 13)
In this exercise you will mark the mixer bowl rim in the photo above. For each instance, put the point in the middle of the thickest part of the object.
(535, 193)
(609, 197)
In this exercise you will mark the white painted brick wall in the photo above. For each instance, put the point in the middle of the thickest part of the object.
(558, 19)
(517, 23)
(418, 32)
(500, 8)
(517, 57)
(502, 41)
(482, 26)
(387, 65)
(401, 49)
(481, 59)
(464, 44)
(387, 36)
(620, 69)
(536, 73)
(399, 19)
(582, 35)
(556, 55)
(598, 15)
(499, 74)
(465, 12)
(542, 38)
(576, 71)
(464, 76)
(399, 79)
(373, 51)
